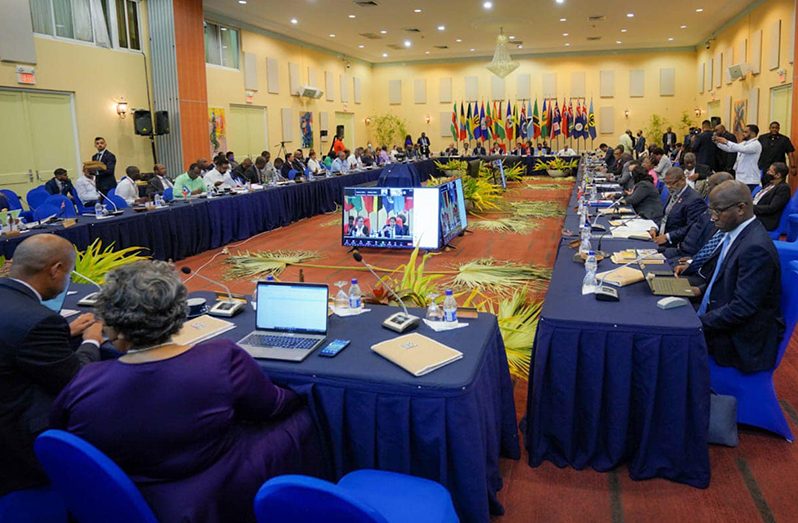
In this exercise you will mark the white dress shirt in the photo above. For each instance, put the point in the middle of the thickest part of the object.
(127, 190)
(167, 183)
(314, 166)
(354, 162)
(213, 176)
(746, 168)
(87, 189)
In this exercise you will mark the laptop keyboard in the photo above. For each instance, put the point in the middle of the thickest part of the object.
(669, 285)
(282, 342)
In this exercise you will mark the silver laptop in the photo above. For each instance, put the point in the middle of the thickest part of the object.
(291, 321)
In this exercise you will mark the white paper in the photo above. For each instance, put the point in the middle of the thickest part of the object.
(440, 326)
(66, 313)
(343, 313)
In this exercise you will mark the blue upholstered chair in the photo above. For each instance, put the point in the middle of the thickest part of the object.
(118, 201)
(15, 203)
(664, 195)
(168, 194)
(66, 209)
(93, 487)
(784, 223)
(756, 190)
(292, 174)
(363, 496)
(35, 505)
(757, 404)
(36, 197)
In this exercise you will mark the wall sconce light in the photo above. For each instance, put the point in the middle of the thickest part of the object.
(698, 112)
(121, 108)
(427, 119)
(626, 113)
(367, 120)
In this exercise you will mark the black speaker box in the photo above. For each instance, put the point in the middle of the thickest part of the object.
(142, 122)
(161, 122)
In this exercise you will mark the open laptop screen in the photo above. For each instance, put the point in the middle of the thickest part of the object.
(290, 307)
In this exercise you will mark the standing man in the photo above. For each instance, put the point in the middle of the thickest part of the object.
(746, 167)
(106, 179)
(625, 139)
(640, 144)
(705, 151)
(423, 144)
(669, 140)
(776, 148)
(59, 183)
(36, 356)
(724, 161)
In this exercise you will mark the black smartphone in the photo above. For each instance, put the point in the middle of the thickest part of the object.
(333, 348)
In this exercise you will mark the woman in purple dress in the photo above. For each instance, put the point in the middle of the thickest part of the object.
(198, 429)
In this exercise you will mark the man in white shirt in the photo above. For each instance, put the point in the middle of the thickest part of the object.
(214, 179)
(313, 164)
(746, 168)
(340, 165)
(86, 186)
(566, 151)
(354, 159)
(626, 140)
(127, 189)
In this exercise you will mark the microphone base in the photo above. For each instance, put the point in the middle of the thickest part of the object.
(401, 322)
(605, 293)
(226, 308)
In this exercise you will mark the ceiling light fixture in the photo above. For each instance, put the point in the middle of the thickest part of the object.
(459, 40)
(383, 32)
(472, 49)
(502, 63)
(699, 10)
(670, 39)
(617, 41)
(682, 27)
(385, 55)
(361, 46)
(487, 5)
(332, 35)
(242, 2)
(560, 1)
(294, 21)
(623, 30)
(426, 52)
(565, 34)
(352, 16)
(563, 19)
(408, 43)
(630, 15)
(416, 10)
(441, 28)
(567, 44)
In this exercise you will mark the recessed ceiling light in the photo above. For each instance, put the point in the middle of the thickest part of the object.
(487, 5)
(565, 34)
(332, 35)
(242, 2)
(294, 21)
(459, 40)
(699, 10)
(222, 28)
(352, 16)
(560, 1)
(385, 55)
(520, 46)
(408, 43)
(617, 41)
(563, 19)
(426, 52)
(670, 39)
(441, 28)
(630, 15)
(682, 27)
(383, 32)
(567, 44)
(623, 30)
(511, 37)
(472, 49)
(416, 10)
(361, 46)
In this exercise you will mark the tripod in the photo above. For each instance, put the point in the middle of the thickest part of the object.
(281, 152)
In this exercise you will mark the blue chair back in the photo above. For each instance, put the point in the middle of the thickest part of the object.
(66, 209)
(660, 185)
(94, 488)
(13, 199)
(36, 196)
(118, 201)
(36, 505)
(789, 304)
(664, 195)
(784, 221)
(302, 499)
(756, 190)
(45, 211)
(169, 194)
(292, 174)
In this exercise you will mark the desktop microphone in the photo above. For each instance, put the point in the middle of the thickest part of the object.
(116, 210)
(609, 231)
(400, 321)
(605, 293)
(90, 299)
(225, 308)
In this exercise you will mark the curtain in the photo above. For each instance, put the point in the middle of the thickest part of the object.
(100, 27)
(81, 15)
(63, 18)
(41, 13)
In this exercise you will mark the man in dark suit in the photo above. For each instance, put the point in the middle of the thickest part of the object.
(36, 358)
(393, 229)
(724, 161)
(106, 179)
(59, 183)
(684, 208)
(770, 202)
(158, 182)
(694, 171)
(703, 146)
(740, 307)
(669, 140)
(479, 150)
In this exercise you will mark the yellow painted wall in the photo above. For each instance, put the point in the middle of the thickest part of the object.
(640, 109)
(98, 77)
(759, 18)
(226, 87)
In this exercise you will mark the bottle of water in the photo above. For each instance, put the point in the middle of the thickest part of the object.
(589, 284)
(449, 307)
(158, 201)
(584, 245)
(355, 296)
(593, 195)
(98, 209)
(582, 217)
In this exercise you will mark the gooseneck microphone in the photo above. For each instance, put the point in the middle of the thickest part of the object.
(226, 308)
(400, 321)
(90, 299)
(116, 209)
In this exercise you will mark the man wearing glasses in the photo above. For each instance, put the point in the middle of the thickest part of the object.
(740, 302)
(684, 208)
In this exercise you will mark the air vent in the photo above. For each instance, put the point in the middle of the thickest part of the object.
(593, 38)
(599, 18)
(412, 30)
(371, 36)
(366, 3)
(395, 46)
(441, 47)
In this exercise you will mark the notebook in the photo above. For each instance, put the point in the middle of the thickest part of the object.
(200, 329)
(621, 276)
(416, 353)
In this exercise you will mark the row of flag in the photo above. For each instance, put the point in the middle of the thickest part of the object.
(485, 122)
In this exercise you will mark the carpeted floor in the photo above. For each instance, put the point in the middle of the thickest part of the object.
(749, 483)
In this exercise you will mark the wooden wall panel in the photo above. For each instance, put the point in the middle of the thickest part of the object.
(192, 85)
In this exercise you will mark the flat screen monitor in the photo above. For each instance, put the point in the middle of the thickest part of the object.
(452, 210)
(391, 217)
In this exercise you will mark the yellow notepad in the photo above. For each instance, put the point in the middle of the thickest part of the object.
(621, 277)
(200, 329)
(416, 353)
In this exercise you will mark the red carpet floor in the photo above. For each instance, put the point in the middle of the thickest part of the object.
(749, 483)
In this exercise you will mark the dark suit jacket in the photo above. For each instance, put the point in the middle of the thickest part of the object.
(36, 362)
(724, 161)
(743, 324)
(686, 211)
(665, 141)
(703, 171)
(154, 186)
(480, 151)
(772, 204)
(705, 149)
(697, 235)
(106, 179)
(645, 200)
(4, 202)
(52, 187)
(609, 159)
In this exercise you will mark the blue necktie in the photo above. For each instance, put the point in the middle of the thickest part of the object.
(705, 300)
(707, 250)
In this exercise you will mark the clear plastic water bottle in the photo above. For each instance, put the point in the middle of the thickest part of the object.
(355, 296)
(584, 245)
(158, 200)
(593, 194)
(98, 209)
(589, 284)
(582, 217)
(449, 307)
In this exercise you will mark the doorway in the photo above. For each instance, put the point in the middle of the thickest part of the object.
(347, 120)
(713, 109)
(247, 134)
(780, 108)
(39, 135)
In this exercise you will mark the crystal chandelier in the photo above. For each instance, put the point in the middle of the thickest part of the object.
(502, 63)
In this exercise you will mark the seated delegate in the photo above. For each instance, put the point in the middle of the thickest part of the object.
(198, 429)
(644, 197)
(683, 209)
(769, 203)
(190, 183)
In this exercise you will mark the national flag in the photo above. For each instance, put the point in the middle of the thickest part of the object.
(469, 130)
(453, 127)
(564, 125)
(523, 123)
(591, 122)
(571, 119)
(498, 125)
(535, 134)
(483, 124)
(509, 123)
(475, 124)
(489, 123)
(544, 121)
(463, 133)
(555, 120)
(579, 124)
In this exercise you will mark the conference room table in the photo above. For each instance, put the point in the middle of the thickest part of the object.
(451, 425)
(615, 383)
(184, 229)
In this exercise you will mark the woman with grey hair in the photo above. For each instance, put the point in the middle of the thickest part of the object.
(198, 429)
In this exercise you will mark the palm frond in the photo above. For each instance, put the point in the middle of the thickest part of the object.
(511, 224)
(95, 262)
(518, 321)
(499, 276)
(264, 263)
(546, 186)
(537, 209)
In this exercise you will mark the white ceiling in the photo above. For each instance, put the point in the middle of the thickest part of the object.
(536, 23)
